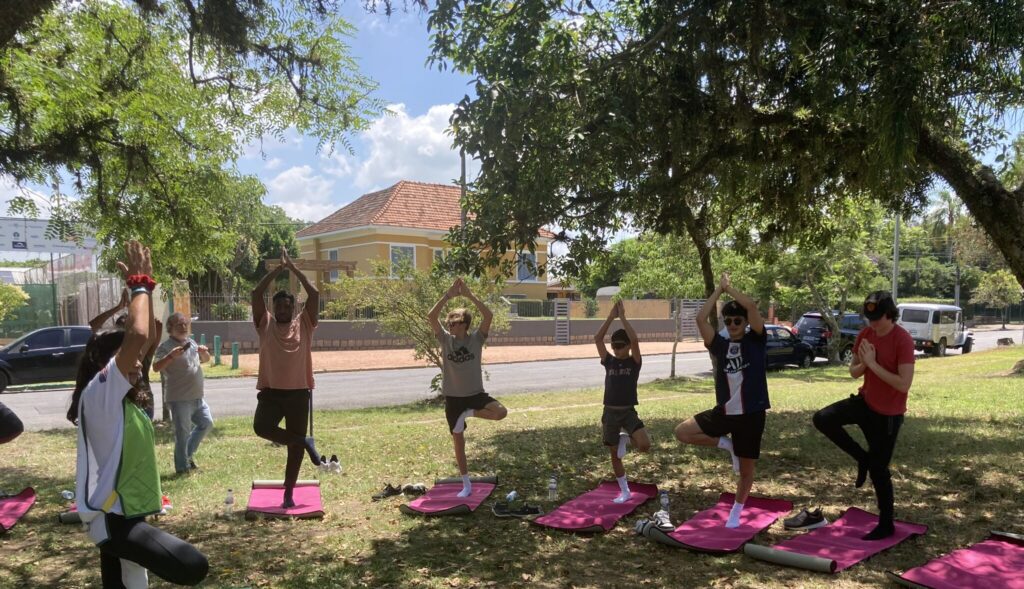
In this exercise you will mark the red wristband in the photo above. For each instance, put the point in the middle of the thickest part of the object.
(143, 280)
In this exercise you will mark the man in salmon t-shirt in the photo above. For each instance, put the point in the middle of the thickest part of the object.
(884, 355)
(285, 378)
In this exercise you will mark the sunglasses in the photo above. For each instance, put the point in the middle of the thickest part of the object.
(619, 345)
(454, 323)
(737, 321)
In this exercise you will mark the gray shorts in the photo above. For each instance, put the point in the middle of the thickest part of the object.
(616, 420)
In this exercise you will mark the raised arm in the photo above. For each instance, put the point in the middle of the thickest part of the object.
(259, 304)
(634, 341)
(312, 306)
(137, 270)
(602, 349)
(754, 318)
(706, 331)
(434, 315)
(96, 323)
(486, 316)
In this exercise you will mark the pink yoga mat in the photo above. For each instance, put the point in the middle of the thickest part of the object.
(266, 502)
(837, 546)
(442, 499)
(594, 510)
(996, 562)
(706, 531)
(14, 507)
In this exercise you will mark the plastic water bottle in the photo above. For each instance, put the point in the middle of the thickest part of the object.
(229, 504)
(512, 496)
(664, 500)
(67, 495)
(553, 488)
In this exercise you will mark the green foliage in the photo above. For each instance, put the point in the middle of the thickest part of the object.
(998, 289)
(401, 303)
(230, 311)
(147, 110)
(590, 307)
(663, 266)
(11, 299)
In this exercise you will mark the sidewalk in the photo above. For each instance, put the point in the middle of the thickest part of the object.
(351, 360)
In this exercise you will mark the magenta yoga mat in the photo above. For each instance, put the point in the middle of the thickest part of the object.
(14, 507)
(442, 499)
(594, 510)
(837, 546)
(706, 531)
(995, 562)
(265, 501)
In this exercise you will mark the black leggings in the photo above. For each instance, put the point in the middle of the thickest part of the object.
(880, 431)
(10, 426)
(166, 556)
(292, 405)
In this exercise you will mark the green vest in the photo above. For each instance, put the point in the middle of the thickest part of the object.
(138, 480)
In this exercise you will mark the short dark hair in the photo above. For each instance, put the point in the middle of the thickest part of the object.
(734, 309)
(884, 306)
(620, 335)
(283, 294)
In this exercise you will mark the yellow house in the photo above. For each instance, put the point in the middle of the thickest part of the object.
(407, 221)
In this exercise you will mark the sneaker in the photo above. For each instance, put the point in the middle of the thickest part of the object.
(388, 491)
(641, 526)
(806, 520)
(503, 509)
(663, 522)
(192, 464)
(414, 489)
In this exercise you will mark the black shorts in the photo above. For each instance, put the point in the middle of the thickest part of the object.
(615, 420)
(746, 430)
(454, 406)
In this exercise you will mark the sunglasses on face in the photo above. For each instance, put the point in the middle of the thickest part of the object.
(619, 345)
(454, 323)
(737, 321)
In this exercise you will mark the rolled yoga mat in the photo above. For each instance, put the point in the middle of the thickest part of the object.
(835, 547)
(995, 562)
(442, 498)
(706, 531)
(594, 511)
(13, 507)
(266, 497)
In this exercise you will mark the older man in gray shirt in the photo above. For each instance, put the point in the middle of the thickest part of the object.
(180, 361)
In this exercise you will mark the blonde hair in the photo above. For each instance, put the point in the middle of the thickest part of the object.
(462, 314)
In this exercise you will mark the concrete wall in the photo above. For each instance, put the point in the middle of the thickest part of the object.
(363, 335)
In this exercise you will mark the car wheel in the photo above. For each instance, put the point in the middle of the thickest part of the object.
(806, 361)
(940, 349)
(966, 349)
(846, 356)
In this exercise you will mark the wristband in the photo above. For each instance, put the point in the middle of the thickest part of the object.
(139, 290)
(143, 280)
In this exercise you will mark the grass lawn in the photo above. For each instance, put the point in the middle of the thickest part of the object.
(957, 468)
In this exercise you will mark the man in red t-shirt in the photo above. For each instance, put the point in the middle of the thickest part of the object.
(884, 355)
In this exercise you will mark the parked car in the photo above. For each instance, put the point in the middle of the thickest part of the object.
(936, 328)
(784, 347)
(50, 354)
(813, 330)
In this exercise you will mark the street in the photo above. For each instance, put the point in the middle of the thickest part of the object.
(376, 388)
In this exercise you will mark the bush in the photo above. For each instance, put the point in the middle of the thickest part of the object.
(229, 311)
(590, 307)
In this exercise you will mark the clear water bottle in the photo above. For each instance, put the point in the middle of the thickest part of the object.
(512, 496)
(553, 488)
(229, 504)
(663, 497)
(67, 495)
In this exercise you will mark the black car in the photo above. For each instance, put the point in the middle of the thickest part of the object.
(811, 328)
(786, 348)
(50, 354)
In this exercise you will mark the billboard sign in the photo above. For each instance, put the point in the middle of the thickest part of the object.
(29, 235)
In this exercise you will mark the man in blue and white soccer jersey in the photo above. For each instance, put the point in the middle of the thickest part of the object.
(741, 389)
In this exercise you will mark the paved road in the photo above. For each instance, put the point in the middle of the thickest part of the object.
(375, 388)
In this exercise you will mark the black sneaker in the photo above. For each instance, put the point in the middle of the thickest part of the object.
(503, 509)
(414, 489)
(806, 520)
(388, 491)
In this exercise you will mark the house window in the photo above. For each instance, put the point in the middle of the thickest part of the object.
(527, 266)
(402, 255)
(332, 255)
(438, 255)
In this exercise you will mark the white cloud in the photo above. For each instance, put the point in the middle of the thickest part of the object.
(402, 147)
(302, 193)
(10, 189)
(274, 163)
(337, 165)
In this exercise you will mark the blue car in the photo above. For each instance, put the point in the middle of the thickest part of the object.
(50, 354)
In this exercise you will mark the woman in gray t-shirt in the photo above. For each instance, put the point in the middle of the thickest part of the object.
(462, 380)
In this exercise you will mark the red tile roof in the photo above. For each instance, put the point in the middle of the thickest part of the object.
(406, 204)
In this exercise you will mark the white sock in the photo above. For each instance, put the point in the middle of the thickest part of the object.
(734, 516)
(726, 444)
(624, 493)
(460, 423)
(623, 438)
(467, 487)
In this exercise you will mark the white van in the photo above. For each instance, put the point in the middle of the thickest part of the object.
(936, 328)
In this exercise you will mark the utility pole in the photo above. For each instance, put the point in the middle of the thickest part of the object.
(896, 259)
